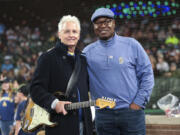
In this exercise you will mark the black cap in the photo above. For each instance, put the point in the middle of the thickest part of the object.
(24, 89)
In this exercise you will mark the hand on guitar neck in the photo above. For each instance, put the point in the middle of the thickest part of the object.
(60, 107)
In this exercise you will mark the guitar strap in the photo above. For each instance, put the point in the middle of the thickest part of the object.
(74, 76)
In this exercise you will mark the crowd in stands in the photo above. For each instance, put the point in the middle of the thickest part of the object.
(21, 45)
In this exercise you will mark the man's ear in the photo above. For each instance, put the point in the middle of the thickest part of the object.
(114, 23)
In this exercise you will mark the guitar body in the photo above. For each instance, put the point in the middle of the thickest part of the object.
(35, 117)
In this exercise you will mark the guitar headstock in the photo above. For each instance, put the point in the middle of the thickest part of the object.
(102, 103)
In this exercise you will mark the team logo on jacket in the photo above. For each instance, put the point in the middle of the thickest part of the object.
(4, 104)
(121, 60)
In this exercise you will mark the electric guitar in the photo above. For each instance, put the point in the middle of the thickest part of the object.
(36, 117)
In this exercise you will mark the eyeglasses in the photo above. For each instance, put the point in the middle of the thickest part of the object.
(106, 22)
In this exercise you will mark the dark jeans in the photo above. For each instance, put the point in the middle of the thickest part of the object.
(120, 122)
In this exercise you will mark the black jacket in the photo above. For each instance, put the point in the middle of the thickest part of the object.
(52, 75)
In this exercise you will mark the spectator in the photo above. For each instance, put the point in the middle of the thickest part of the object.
(153, 62)
(2, 28)
(173, 72)
(172, 40)
(7, 65)
(162, 66)
(7, 107)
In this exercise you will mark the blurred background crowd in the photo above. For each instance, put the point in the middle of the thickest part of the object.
(26, 30)
(21, 45)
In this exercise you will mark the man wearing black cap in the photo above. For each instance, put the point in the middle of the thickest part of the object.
(120, 70)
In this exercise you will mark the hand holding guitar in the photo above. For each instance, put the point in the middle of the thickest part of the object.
(60, 107)
(35, 116)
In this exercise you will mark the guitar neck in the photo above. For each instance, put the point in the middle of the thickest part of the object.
(79, 105)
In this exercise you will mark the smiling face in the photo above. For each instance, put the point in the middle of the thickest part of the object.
(69, 34)
(104, 27)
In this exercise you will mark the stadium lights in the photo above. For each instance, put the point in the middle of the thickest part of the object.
(133, 9)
